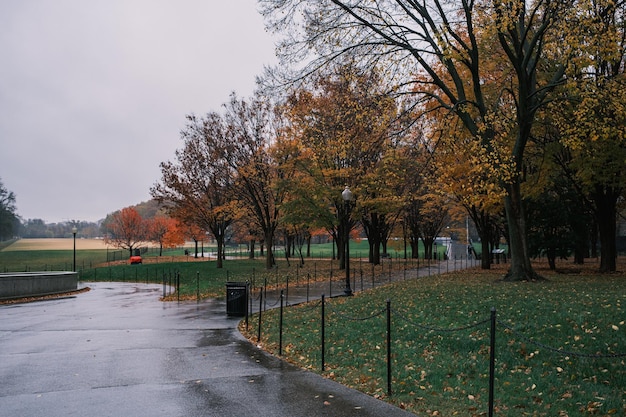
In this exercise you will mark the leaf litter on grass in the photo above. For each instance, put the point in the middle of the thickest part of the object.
(557, 352)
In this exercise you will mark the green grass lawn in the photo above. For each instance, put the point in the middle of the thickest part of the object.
(560, 348)
(49, 260)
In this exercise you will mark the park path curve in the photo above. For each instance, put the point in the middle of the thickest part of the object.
(119, 351)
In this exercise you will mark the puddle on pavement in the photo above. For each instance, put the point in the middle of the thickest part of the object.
(220, 337)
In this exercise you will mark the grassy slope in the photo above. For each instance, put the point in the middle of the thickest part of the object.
(542, 327)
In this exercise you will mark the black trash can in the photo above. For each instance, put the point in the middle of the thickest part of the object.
(236, 298)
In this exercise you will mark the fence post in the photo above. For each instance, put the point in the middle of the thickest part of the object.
(280, 326)
(323, 334)
(248, 307)
(389, 347)
(197, 286)
(492, 360)
(361, 271)
(258, 337)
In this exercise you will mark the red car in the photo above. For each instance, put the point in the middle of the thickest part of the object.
(135, 260)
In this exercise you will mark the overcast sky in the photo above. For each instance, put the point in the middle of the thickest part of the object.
(94, 93)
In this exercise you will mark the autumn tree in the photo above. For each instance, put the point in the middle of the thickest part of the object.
(8, 217)
(125, 229)
(465, 175)
(593, 125)
(244, 229)
(432, 50)
(343, 122)
(193, 232)
(196, 188)
(426, 209)
(300, 211)
(253, 127)
(165, 231)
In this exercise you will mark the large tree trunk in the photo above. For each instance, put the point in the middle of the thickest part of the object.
(606, 215)
(414, 243)
(220, 250)
(428, 247)
(371, 226)
(485, 256)
(520, 269)
(482, 221)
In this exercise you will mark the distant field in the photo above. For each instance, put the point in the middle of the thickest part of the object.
(55, 244)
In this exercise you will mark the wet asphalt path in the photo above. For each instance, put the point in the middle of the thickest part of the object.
(118, 351)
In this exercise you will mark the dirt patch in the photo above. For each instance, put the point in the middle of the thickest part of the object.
(55, 244)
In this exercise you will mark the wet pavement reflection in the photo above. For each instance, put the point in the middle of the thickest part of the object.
(118, 351)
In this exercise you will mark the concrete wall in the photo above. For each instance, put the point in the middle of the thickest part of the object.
(26, 284)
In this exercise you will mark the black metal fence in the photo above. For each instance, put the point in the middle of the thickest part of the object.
(387, 312)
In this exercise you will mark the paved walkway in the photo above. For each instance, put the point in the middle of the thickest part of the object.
(118, 351)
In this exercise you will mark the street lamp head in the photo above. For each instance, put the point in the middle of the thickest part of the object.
(74, 230)
(346, 194)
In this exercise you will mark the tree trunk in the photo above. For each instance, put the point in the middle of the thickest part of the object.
(551, 254)
(606, 215)
(370, 251)
(428, 247)
(252, 248)
(287, 249)
(414, 248)
(485, 256)
(376, 253)
(520, 269)
(484, 227)
(341, 248)
(594, 240)
(308, 246)
(220, 251)
(269, 253)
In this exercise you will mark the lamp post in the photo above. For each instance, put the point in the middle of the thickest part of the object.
(347, 202)
(74, 230)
